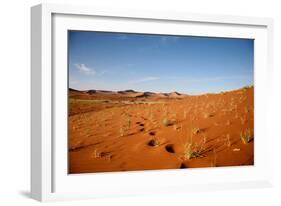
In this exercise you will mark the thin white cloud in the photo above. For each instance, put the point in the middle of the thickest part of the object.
(85, 70)
(145, 79)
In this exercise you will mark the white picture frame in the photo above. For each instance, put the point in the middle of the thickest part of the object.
(49, 178)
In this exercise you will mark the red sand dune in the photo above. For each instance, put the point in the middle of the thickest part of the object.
(129, 130)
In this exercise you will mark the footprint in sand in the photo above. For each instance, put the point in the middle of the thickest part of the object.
(153, 143)
(170, 148)
(142, 126)
(152, 133)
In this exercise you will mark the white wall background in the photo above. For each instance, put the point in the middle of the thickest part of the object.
(15, 100)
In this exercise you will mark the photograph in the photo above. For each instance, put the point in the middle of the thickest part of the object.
(139, 101)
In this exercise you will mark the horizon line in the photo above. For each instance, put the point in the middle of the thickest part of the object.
(105, 90)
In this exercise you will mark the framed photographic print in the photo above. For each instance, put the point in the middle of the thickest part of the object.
(137, 102)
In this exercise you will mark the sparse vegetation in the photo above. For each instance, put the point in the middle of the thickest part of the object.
(121, 131)
(151, 116)
(96, 154)
(246, 136)
(191, 151)
(188, 152)
(195, 130)
(207, 115)
(204, 139)
(243, 120)
(228, 140)
(166, 122)
(184, 114)
(128, 123)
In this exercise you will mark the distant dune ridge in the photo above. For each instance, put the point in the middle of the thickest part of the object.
(129, 93)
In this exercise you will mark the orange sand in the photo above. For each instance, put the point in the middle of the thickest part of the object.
(125, 131)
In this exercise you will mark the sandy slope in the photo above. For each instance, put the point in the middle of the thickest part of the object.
(111, 131)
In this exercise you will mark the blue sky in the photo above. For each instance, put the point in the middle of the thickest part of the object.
(158, 63)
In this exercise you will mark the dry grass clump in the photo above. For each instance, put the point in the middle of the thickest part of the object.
(228, 140)
(121, 131)
(243, 120)
(207, 115)
(129, 122)
(195, 130)
(166, 122)
(190, 151)
(184, 114)
(246, 136)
